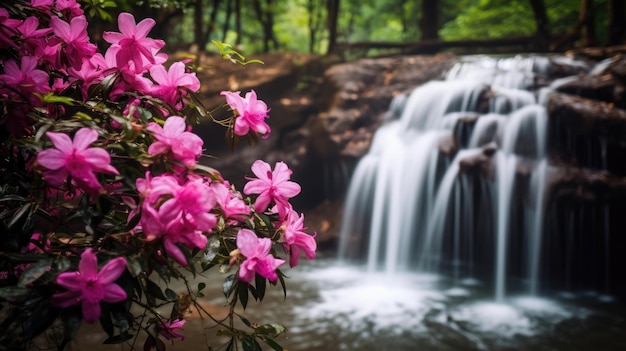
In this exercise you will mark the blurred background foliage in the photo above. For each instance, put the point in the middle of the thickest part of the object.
(328, 26)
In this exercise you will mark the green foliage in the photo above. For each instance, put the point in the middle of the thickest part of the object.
(491, 19)
(99, 8)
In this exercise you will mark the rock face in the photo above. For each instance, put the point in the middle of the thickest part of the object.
(586, 153)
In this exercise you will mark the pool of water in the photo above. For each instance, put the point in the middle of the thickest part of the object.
(337, 306)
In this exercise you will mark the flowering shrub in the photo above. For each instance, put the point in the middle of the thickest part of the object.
(103, 195)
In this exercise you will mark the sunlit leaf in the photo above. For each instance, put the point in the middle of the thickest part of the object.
(271, 329)
(33, 272)
(212, 249)
(51, 98)
(229, 284)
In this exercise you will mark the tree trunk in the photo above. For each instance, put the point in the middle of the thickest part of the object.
(616, 14)
(238, 22)
(229, 10)
(266, 19)
(211, 26)
(333, 15)
(198, 23)
(429, 20)
(542, 31)
(587, 19)
(315, 21)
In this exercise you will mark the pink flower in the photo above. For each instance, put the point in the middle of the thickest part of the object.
(233, 207)
(133, 41)
(172, 84)
(29, 29)
(8, 28)
(177, 231)
(91, 72)
(252, 113)
(170, 330)
(76, 39)
(295, 239)
(26, 79)
(70, 7)
(75, 159)
(42, 4)
(271, 187)
(192, 202)
(34, 248)
(258, 257)
(185, 146)
(89, 287)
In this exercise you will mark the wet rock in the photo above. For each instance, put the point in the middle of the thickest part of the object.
(365, 89)
(587, 133)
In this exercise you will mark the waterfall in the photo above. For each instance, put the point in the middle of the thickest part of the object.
(427, 198)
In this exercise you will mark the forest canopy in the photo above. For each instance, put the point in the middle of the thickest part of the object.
(328, 26)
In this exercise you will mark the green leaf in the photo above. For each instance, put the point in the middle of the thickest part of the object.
(19, 213)
(282, 282)
(106, 322)
(71, 318)
(260, 283)
(171, 295)
(50, 98)
(229, 284)
(13, 293)
(39, 321)
(271, 329)
(33, 272)
(153, 289)
(273, 344)
(248, 343)
(134, 267)
(245, 321)
(243, 294)
(212, 249)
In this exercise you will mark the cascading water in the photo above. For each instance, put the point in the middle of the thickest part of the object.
(414, 202)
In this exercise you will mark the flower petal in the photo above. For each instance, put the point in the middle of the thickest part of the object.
(65, 299)
(247, 242)
(88, 265)
(91, 311)
(174, 126)
(126, 24)
(114, 293)
(112, 270)
(84, 137)
(51, 158)
(61, 141)
(70, 280)
(261, 169)
(143, 27)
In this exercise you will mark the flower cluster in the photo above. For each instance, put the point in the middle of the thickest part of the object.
(103, 189)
